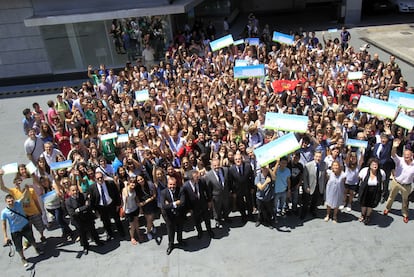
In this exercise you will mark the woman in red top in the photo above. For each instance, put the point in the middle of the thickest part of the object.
(62, 138)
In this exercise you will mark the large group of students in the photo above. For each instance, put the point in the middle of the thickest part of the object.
(189, 152)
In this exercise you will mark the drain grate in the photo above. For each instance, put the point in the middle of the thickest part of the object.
(406, 33)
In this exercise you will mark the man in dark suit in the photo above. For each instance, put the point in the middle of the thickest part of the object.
(314, 181)
(382, 151)
(106, 200)
(172, 201)
(217, 181)
(241, 178)
(198, 200)
(81, 217)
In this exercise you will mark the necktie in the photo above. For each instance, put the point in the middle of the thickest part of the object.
(196, 190)
(317, 174)
(104, 201)
(221, 177)
(241, 170)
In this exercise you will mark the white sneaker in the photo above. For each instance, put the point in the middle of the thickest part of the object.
(341, 207)
(24, 262)
(348, 209)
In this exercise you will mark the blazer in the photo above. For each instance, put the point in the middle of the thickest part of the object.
(309, 176)
(214, 185)
(167, 202)
(85, 213)
(191, 200)
(385, 160)
(241, 183)
(113, 192)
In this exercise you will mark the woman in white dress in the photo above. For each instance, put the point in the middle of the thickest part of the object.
(334, 190)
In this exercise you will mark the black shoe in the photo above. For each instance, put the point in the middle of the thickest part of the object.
(39, 251)
(218, 225)
(257, 223)
(200, 235)
(109, 237)
(169, 250)
(182, 243)
(228, 220)
(211, 234)
(99, 243)
(85, 251)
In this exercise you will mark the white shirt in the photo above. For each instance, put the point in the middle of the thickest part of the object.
(404, 173)
(104, 190)
(371, 181)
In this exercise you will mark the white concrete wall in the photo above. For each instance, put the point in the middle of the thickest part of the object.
(22, 51)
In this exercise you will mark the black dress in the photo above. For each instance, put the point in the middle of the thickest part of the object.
(369, 196)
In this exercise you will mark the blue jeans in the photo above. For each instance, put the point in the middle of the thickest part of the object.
(280, 201)
(60, 218)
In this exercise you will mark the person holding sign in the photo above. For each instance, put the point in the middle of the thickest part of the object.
(403, 178)
(31, 205)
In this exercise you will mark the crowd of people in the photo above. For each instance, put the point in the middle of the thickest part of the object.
(190, 146)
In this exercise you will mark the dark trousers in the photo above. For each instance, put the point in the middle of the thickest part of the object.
(310, 202)
(26, 232)
(221, 206)
(86, 228)
(174, 225)
(244, 202)
(108, 212)
(60, 218)
(266, 210)
(200, 215)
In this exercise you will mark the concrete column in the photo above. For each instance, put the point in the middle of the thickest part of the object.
(77, 56)
(352, 11)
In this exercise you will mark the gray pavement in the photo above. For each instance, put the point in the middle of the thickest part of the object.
(311, 248)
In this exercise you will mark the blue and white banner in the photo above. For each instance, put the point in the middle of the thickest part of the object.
(332, 30)
(377, 107)
(60, 165)
(122, 138)
(10, 168)
(253, 41)
(141, 95)
(109, 136)
(250, 71)
(51, 200)
(221, 42)
(405, 121)
(283, 38)
(238, 42)
(276, 149)
(286, 122)
(355, 75)
(403, 100)
(31, 168)
(357, 143)
(240, 63)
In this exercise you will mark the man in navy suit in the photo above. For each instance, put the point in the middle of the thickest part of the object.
(172, 201)
(106, 200)
(241, 182)
(382, 151)
(198, 200)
